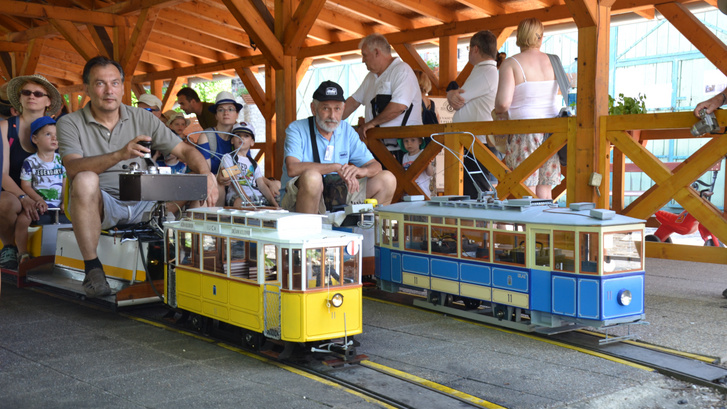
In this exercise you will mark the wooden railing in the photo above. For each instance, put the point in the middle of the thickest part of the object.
(615, 139)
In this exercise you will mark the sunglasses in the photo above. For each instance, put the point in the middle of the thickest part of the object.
(36, 94)
(151, 109)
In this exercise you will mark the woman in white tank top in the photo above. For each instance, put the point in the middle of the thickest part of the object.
(527, 89)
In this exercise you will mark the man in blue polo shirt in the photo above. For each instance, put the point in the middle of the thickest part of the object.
(340, 153)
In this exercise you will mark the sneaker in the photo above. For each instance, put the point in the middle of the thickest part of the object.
(95, 284)
(9, 257)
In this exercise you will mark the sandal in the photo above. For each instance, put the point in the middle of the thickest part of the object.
(23, 258)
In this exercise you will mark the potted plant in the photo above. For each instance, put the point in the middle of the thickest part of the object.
(624, 105)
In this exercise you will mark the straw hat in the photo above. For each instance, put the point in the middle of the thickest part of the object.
(17, 83)
(171, 115)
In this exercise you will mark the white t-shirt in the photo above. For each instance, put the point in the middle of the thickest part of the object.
(480, 91)
(399, 81)
(246, 179)
(45, 177)
(423, 180)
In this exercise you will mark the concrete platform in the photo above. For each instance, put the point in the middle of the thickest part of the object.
(55, 353)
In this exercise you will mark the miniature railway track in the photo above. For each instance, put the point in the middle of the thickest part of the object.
(692, 368)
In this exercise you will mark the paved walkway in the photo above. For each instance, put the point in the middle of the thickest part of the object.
(55, 353)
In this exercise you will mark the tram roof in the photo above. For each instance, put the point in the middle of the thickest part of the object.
(522, 211)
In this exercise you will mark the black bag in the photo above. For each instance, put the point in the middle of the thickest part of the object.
(379, 103)
(429, 116)
(335, 190)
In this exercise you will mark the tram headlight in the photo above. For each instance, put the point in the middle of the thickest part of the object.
(624, 297)
(336, 300)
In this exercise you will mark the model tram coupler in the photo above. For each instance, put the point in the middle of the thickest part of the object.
(345, 350)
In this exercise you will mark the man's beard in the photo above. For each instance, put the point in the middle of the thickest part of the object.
(328, 125)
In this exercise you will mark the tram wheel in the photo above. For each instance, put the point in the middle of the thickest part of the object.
(253, 340)
(651, 237)
(471, 303)
(198, 322)
(499, 311)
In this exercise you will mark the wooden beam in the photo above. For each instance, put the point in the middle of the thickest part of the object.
(74, 36)
(410, 55)
(255, 90)
(258, 59)
(139, 37)
(200, 39)
(378, 14)
(430, 9)
(10, 46)
(230, 32)
(584, 12)
(303, 66)
(30, 62)
(102, 40)
(170, 97)
(173, 54)
(189, 47)
(502, 35)
(44, 11)
(447, 61)
(300, 24)
(250, 19)
(489, 7)
(697, 33)
(344, 23)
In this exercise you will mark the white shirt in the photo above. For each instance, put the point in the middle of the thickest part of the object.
(479, 93)
(399, 81)
(423, 179)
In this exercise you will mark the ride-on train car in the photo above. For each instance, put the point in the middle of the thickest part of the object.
(275, 274)
(537, 266)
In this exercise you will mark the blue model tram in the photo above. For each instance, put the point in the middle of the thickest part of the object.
(537, 267)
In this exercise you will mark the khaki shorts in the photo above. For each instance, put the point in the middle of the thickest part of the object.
(291, 195)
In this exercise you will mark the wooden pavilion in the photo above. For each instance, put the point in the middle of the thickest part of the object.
(163, 43)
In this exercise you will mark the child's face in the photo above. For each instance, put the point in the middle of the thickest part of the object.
(45, 139)
(412, 145)
(244, 141)
(178, 125)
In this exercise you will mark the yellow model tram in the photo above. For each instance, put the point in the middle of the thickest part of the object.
(275, 274)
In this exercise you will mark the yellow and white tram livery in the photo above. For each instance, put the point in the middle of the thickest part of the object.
(269, 272)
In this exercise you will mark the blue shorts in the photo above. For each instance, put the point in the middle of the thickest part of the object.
(117, 212)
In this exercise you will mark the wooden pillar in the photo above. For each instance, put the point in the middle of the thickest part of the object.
(285, 86)
(447, 60)
(271, 127)
(593, 21)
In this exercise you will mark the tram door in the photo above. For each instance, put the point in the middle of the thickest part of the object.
(271, 290)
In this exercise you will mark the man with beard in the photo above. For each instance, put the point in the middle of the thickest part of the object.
(321, 149)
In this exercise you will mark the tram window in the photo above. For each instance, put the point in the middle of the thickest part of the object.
(270, 254)
(444, 240)
(297, 269)
(212, 218)
(467, 222)
(621, 252)
(588, 243)
(542, 249)
(390, 233)
(475, 244)
(285, 267)
(253, 222)
(189, 249)
(334, 263)
(509, 248)
(416, 237)
(243, 259)
(415, 218)
(564, 250)
(198, 216)
(214, 253)
(511, 226)
(225, 219)
(239, 220)
(350, 269)
(171, 246)
(271, 224)
(313, 263)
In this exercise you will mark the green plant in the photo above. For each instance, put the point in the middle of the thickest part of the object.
(626, 105)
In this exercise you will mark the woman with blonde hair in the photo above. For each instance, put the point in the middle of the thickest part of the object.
(526, 90)
(33, 97)
(429, 111)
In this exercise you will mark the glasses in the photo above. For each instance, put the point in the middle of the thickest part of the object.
(36, 94)
(222, 110)
(152, 109)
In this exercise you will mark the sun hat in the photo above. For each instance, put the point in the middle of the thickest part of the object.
(41, 122)
(244, 127)
(17, 83)
(329, 91)
(150, 100)
(173, 115)
(225, 97)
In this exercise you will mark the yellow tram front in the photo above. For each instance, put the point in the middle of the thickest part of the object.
(274, 273)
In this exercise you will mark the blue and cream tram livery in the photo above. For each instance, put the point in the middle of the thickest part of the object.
(537, 267)
(277, 275)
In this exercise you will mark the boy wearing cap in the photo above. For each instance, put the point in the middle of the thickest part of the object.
(152, 104)
(325, 145)
(251, 179)
(42, 178)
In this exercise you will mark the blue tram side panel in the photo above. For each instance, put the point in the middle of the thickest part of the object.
(525, 258)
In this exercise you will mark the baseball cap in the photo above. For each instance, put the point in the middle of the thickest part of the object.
(245, 128)
(41, 122)
(150, 100)
(329, 91)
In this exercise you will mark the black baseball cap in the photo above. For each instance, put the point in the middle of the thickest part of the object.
(329, 91)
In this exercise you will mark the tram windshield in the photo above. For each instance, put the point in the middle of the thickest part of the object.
(330, 266)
